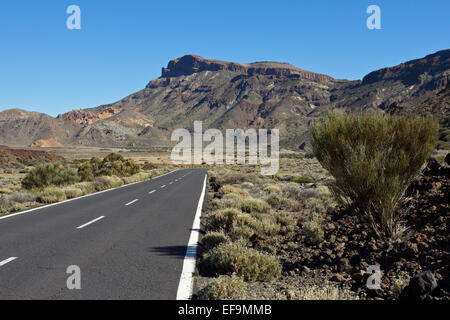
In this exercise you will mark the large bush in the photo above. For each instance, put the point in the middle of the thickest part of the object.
(373, 158)
(112, 165)
(50, 174)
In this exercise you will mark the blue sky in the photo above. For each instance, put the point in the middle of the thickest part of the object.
(123, 44)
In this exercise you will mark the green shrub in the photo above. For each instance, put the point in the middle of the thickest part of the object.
(313, 229)
(273, 200)
(112, 165)
(224, 288)
(373, 159)
(86, 171)
(250, 264)
(212, 240)
(254, 205)
(50, 174)
(149, 166)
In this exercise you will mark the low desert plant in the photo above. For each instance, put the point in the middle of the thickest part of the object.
(254, 205)
(250, 264)
(373, 158)
(313, 229)
(224, 288)
(85, 187)
(273, 200)
(221, 220)
(72, 192)
(51, 195)
(271, 188)
(212, 240)
(22, 197)
(326, 291)
(398, 285)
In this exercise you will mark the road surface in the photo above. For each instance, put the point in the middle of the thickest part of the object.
(129, 243)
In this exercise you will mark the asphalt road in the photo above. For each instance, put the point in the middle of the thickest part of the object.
(129, 243)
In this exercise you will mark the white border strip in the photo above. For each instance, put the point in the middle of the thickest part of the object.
(185, 286)
(85, 196)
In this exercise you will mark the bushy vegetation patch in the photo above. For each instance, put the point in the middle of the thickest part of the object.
(50, 174)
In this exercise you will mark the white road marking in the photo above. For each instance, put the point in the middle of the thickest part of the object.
(162, 187)
(153, 191)
(171, 182)
(185, 286)
(2, 263)
(130, 203)
(90, 222)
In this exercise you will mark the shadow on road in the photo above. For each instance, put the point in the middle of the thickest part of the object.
(175, 251)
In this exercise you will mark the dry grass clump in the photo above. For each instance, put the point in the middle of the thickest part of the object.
(271, 188)
(52, 195)
(254, 205)
(227, 189)
(224, 288)
(221, 220)
(325, 292)
(237, 224)
(22, 197)
(85, 187)
(250, 264)
(72, 192)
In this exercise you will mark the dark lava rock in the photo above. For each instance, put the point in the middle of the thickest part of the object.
(420, 287)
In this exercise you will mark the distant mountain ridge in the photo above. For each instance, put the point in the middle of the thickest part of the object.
(230, 95)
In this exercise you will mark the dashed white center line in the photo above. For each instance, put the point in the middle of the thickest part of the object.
(162, 187)
(2, 263)
(153, 191)
(171, 183)
(90, 222)
(130, 203)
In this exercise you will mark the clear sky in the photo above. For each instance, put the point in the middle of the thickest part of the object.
(123, 44)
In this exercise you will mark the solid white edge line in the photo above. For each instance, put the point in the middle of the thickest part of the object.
(186, 284)
(90, 222)
(130, 203)
(85, 196)
(2, 263)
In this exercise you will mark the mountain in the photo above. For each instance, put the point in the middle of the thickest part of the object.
(438, 106)
(230, 95)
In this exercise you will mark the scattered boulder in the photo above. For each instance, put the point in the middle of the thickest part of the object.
(420, 287)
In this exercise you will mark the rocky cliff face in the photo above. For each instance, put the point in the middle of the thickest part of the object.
(231, 95)
(191, 64)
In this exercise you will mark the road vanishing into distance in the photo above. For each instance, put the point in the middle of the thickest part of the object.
(129, 243)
